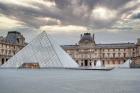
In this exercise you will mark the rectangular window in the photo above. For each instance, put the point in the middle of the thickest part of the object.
(124, 54)
(113, 55)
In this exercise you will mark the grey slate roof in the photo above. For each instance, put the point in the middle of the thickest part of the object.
(116, 45)
(69, 46)
(87, 37)
(113, 45)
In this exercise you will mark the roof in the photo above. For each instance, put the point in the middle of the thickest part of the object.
(87, 37)
(116, 45)
(13, 36)
(16, 32)
(113, 45)
(69, 46)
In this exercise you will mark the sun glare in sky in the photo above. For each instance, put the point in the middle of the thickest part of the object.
(70, 18)
(102, 13)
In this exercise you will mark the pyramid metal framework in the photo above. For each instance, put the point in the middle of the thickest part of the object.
(44, 51)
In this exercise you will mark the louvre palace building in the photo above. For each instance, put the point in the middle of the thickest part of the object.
(10, 45)
(87, 52)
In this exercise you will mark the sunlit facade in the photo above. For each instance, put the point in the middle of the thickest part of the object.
(87, 52)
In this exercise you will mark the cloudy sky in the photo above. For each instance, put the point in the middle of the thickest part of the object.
(110, 20)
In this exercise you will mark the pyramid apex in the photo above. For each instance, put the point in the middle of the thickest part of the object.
(43, 32)
(41, 52)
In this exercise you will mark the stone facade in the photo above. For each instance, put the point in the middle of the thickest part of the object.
(87, 52)
(10, 45)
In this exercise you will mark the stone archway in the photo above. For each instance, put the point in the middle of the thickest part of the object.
(103, 62)
(86, 62)
(95, 63)
(2, 61)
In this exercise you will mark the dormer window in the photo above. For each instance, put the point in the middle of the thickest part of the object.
(18, 41)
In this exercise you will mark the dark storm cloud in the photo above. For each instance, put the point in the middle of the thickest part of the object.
(69, 12)
(29, 15)
(91, 3)
(62, 3)
(68, 6)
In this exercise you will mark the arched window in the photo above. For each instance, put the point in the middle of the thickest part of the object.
(18, 40)
(82, 64)
(2, 61)
(118, 61)
(86, 62)
(108, 62)
(124, 54)
(90, 63)
(113, 62)
(103, 62)
(95, 63)
(76, 61)
(113, 55)
(123, 60)
(6, 59)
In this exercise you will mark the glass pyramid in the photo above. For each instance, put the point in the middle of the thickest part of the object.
(44, 51)
(126, 64)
